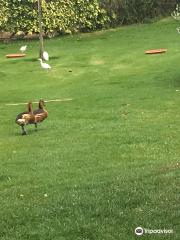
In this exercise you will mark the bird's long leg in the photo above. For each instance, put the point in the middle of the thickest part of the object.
(24, 129)
(36, 125)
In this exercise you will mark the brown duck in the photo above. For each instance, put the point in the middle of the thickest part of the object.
(25, 118)
(40, 114)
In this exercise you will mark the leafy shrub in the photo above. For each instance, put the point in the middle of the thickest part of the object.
(176, 15)
(62, 16)
(133, 11)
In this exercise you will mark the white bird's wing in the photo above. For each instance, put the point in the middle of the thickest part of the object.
(23, 48)
(45, 65)
(46, 56)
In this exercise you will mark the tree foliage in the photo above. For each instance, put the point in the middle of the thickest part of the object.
(57, 15)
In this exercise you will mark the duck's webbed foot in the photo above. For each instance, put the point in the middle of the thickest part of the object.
(36, 127)
(24, 130)
(24, 133)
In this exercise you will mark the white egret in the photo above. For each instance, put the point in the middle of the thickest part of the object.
(44, 65)
(23, 48)
(46, 56)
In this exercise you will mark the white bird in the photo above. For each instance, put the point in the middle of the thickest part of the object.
(46, 56)
(44, 65)
(23, 48)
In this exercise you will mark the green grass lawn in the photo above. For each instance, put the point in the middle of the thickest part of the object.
(104, 173)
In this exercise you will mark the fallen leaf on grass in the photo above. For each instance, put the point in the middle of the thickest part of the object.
(138, 209)
(172, 166)
(128, 104)
(177, 90)
(124, 114)
(21, 195)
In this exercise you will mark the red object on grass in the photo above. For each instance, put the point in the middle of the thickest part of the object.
(156, 51)
(15, 55)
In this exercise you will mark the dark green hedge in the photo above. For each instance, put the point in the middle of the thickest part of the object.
(136, 11)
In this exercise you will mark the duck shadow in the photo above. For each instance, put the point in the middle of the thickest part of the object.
(29, 132)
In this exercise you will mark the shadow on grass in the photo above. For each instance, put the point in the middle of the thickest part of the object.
(30, 59)
(36, 59)
(3, 75)
(55, 57)
(29, 131)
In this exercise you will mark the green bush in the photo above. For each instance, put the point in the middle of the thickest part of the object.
(134, 11)
(62, 16)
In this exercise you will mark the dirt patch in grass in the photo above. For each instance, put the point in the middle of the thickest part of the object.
(167, 19)
(100, 32)
(97, 62)
(5, 36)
(108, 30)
(171, 166)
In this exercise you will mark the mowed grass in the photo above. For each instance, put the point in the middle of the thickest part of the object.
(105, 162)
